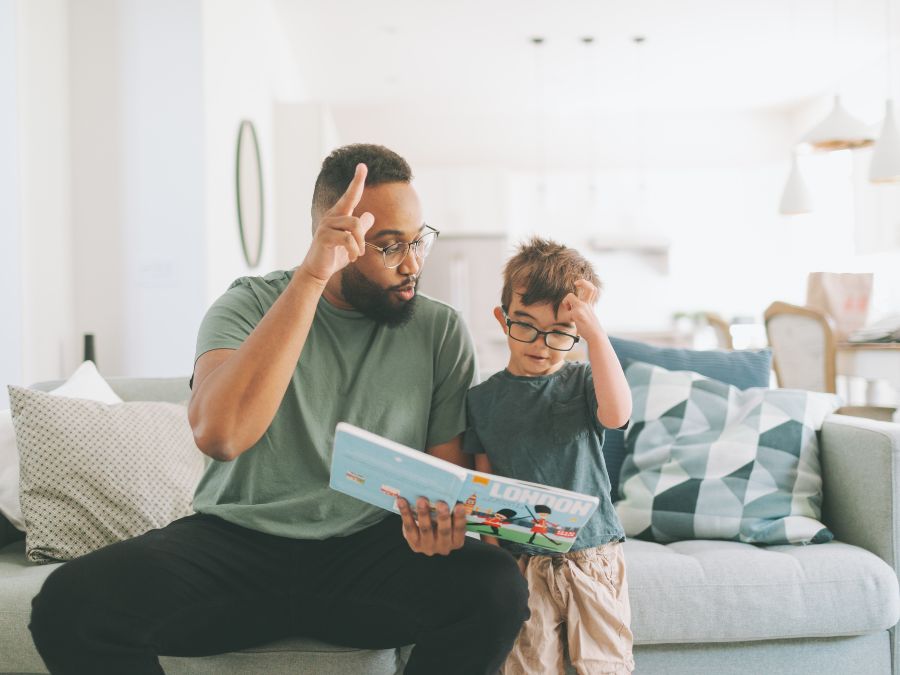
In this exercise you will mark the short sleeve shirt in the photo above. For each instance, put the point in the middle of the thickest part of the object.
(406, 383)
(545, 430)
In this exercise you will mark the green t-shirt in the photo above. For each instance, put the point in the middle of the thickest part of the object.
(407, 384)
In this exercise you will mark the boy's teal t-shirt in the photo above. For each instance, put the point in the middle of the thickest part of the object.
(545, 430)
(406, 383)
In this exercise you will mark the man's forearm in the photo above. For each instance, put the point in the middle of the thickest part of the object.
(232, 406)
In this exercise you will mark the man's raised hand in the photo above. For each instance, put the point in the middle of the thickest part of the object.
(339, 238)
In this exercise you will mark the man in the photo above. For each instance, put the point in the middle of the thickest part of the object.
(272, 551)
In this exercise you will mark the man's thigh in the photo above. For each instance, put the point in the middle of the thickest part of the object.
(370, 590)
(198, 586)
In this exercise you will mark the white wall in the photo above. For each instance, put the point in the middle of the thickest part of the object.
(247, 67)
(49, 345)
(10, 234)
(136, 76)
(158, 92)
(712, 192)
(304, 135)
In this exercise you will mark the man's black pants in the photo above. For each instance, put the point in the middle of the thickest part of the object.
(204, 586)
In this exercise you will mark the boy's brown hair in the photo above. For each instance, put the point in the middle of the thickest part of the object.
(543, 270)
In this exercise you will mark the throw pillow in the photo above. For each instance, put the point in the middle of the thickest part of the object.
(85, 383)
(710, 461)
(93, 474)
(743, 369)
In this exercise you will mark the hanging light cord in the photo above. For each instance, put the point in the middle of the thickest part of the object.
(538, 105)
(888, 42)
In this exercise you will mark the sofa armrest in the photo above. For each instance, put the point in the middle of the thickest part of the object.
(861, 484)
(861, 481)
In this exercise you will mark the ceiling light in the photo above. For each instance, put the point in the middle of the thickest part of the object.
(795, 199)
(838, 131)
(885, 166)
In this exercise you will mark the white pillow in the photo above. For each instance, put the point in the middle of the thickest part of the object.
(85, 383)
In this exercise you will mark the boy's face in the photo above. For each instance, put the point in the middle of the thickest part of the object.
(535, 358)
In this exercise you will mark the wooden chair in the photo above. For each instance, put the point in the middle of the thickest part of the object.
(722, 328)
(803, 354)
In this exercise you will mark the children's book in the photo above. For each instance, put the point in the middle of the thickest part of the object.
(378, 471)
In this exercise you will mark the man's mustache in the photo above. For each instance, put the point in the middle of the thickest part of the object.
(410, 281)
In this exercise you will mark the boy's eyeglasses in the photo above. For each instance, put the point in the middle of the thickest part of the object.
(394, 255)
(525, 332)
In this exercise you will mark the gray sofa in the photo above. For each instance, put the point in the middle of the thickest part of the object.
(698, 606)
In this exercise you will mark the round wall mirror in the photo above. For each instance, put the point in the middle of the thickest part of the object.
(249, 191)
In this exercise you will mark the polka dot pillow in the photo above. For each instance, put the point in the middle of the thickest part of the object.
(92, 474)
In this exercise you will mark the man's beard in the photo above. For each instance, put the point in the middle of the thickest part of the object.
(374, 301)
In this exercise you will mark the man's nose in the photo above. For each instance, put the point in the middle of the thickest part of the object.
(410, 265)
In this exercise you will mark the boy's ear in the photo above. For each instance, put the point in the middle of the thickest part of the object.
(498, 314)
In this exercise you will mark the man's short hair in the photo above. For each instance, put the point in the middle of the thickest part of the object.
(545, 271)
(384, 165)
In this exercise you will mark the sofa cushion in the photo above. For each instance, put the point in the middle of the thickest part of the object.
(86, 383)
(723, 591)
(709, 461)
(742, 369)
(93, 474)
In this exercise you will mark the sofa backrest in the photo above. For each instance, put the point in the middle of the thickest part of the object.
(170, 389)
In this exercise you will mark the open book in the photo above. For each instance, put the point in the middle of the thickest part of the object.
(377, 470)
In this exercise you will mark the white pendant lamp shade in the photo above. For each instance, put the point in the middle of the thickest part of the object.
(839, 131)
(885, 167)
(795, 199)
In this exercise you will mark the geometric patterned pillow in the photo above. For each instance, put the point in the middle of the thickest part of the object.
(743, 368)
(711, 461)
(93, 474)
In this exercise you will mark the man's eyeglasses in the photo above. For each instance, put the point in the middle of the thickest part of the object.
(395, 254)
(525, 332)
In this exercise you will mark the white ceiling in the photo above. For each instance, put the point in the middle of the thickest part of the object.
(407, 63)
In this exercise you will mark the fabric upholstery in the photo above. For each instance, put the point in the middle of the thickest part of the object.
(710, 461)
(725, 591)
(742, 369)
(93, 474)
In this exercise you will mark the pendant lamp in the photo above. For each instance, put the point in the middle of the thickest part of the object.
(795, 199)
(885, 166)
(838, 131)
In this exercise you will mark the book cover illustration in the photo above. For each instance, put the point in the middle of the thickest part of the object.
(378, 471)
(525, 513)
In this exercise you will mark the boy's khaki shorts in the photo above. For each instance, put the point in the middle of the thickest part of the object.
(582, 598)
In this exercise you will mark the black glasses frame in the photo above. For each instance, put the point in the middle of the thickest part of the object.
(414, 245)
(537, 333)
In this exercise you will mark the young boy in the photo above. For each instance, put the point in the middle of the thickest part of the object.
(542, 420)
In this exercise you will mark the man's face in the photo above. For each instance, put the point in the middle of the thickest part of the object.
(386, 295)
(533, 359)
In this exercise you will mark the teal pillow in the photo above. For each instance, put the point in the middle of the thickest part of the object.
(742, 369)
(711, 461)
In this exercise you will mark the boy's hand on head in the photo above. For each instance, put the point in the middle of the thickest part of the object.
(578, 307)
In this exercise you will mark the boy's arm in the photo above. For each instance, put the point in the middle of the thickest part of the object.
(483, 464)
(610, 385)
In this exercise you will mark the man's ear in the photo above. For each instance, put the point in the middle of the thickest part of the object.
(498, 314)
